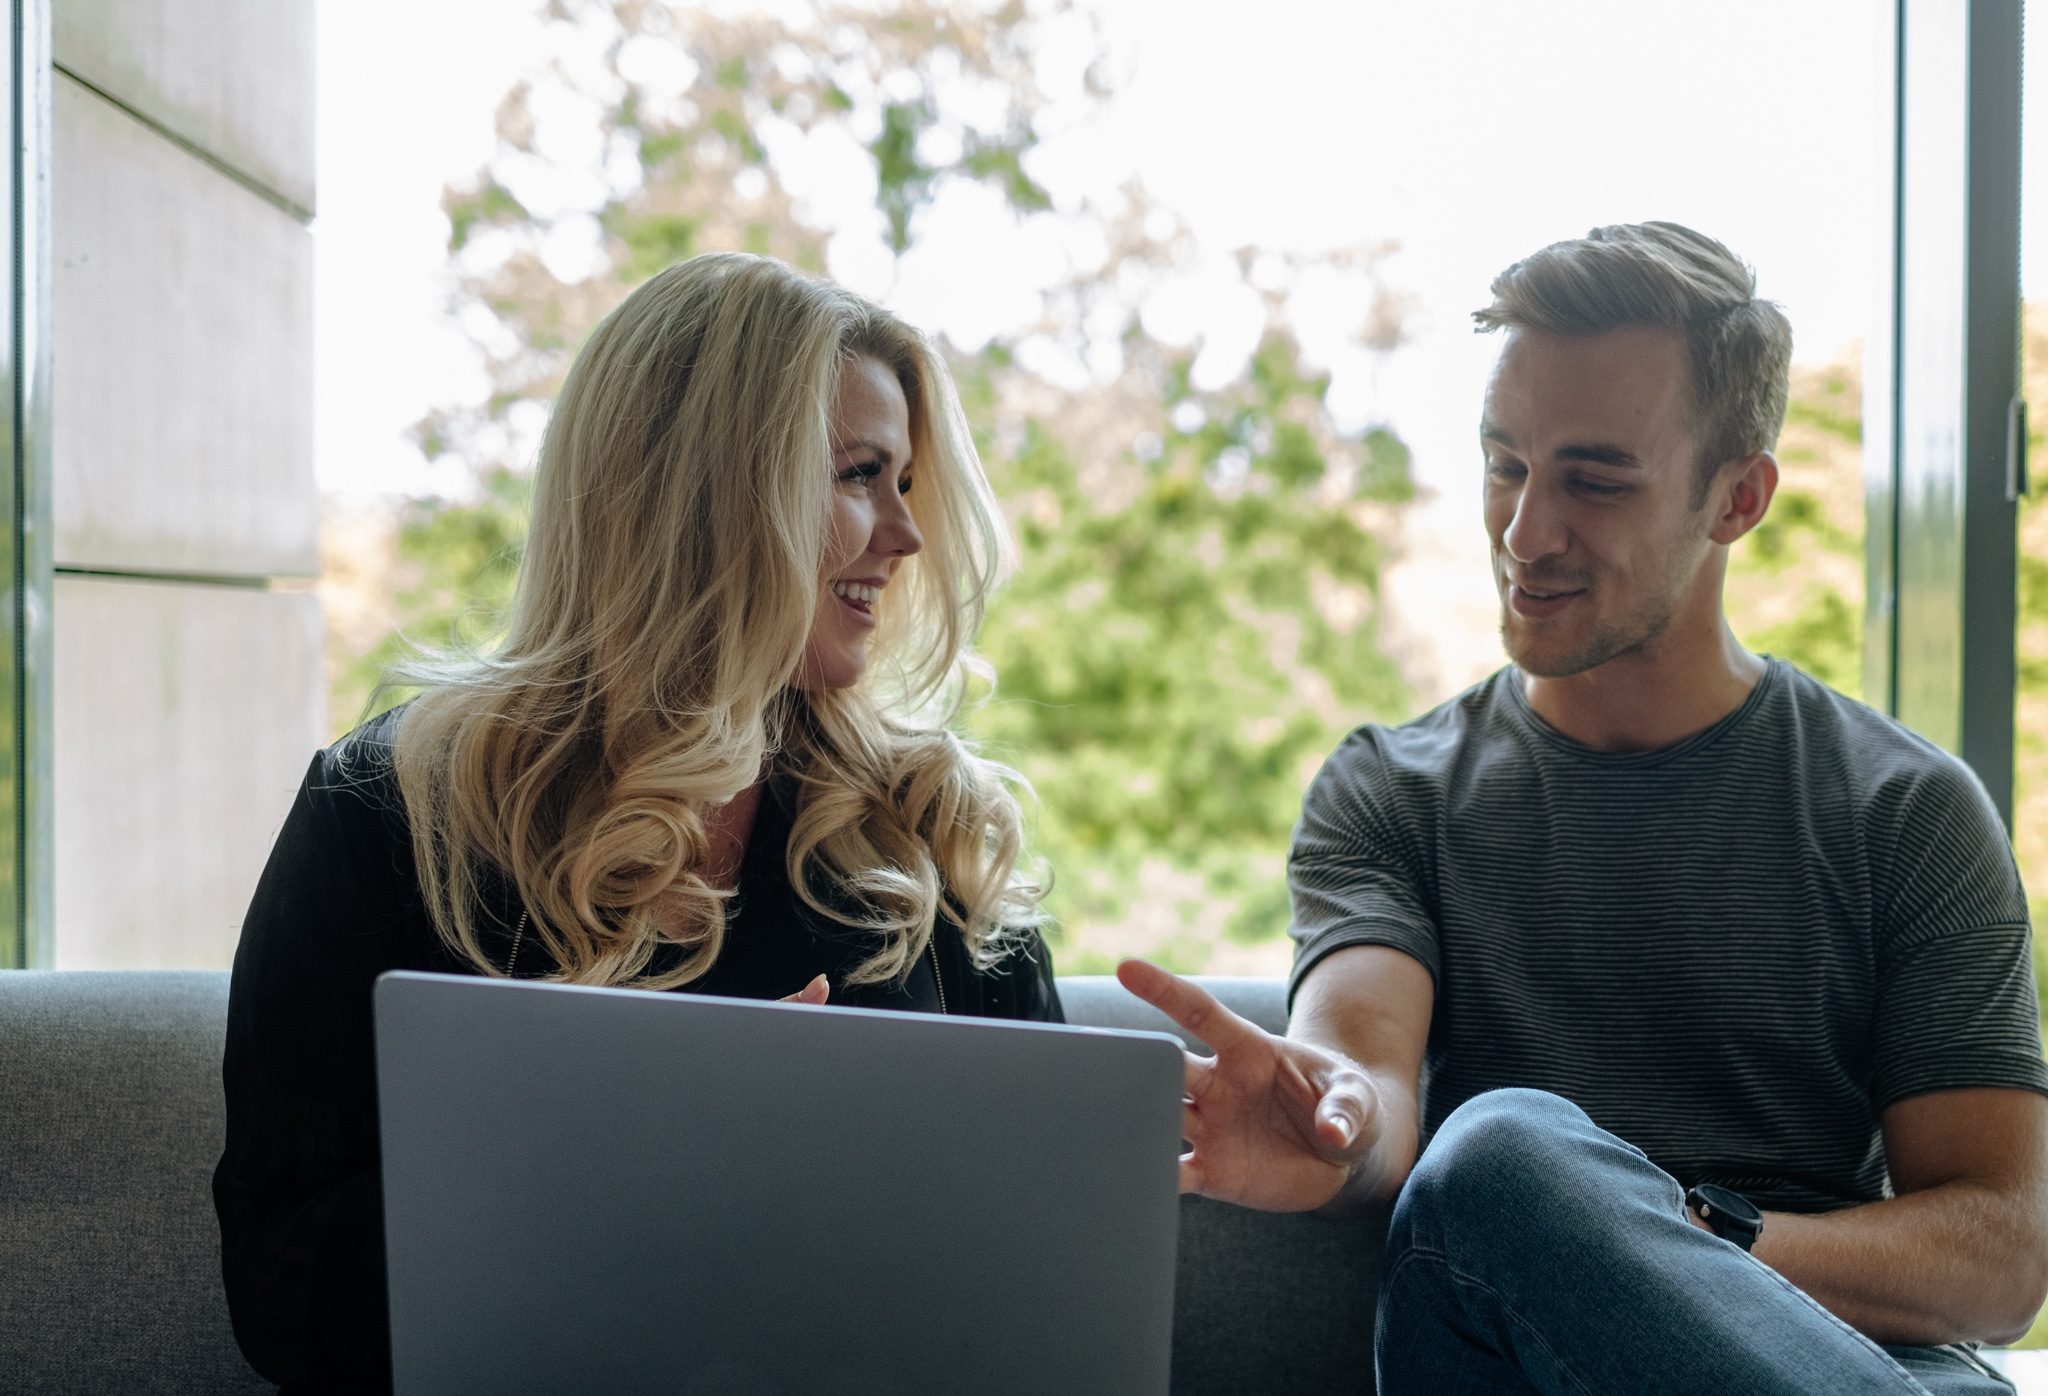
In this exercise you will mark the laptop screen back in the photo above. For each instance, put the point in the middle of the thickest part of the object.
(608, 1190)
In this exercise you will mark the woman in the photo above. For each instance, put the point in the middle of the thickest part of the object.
(710, 754)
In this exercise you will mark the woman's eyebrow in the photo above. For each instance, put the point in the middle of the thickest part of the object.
(847, 448)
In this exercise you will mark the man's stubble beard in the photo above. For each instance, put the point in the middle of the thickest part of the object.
(1606, 642)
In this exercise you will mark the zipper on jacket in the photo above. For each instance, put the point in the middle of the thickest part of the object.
(938, 980)
(518, 934)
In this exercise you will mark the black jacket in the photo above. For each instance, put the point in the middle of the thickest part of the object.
(297, 1188)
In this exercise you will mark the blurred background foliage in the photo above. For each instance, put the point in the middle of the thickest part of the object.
(1195, 619)
(1199, 613)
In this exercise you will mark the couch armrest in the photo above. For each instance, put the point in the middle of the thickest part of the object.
(111, 1118)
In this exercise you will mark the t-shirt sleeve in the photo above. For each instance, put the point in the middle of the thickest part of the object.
(1956, 1001)
(1356, 874)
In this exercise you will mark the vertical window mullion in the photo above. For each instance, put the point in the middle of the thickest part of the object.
(1953, 373)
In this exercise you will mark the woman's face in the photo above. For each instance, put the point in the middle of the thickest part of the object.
(869, 530)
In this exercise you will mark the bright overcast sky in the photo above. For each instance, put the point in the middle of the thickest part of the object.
(1470, 134)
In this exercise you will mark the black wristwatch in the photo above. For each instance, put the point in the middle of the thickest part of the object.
(1727, 1213)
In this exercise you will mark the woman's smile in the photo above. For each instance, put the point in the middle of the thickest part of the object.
(859, 598)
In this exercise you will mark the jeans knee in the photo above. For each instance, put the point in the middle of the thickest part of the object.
(1499, 1134)
(1502, 1160)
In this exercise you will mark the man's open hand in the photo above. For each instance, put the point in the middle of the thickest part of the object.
(1270, 1123)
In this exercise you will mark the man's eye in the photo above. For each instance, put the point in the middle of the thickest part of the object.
(862, 475)
(1602, 489)
(1503, 470)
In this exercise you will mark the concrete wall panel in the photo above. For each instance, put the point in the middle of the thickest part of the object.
(233, 77)
(185, 716)
(182, 346)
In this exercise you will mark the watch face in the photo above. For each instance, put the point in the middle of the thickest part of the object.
(1733, 1208)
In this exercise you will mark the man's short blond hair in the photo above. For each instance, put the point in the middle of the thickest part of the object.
(1665, 275)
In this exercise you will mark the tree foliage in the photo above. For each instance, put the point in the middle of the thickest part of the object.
(1181, 648)
(1194, 621)
(1796, 582)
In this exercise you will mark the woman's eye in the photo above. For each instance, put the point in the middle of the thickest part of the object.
(862, 475)
(903, 485)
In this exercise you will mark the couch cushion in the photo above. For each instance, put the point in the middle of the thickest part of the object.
(110, 1124)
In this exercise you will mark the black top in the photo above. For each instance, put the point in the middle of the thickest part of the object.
(1734, 952)
(297, 1189)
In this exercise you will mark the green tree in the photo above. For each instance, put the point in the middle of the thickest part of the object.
(1796, 582)
(1177, 654)
(1194, 622)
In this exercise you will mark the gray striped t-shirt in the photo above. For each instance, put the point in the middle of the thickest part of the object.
(1733, 952)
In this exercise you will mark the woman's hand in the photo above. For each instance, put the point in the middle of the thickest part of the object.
(1271, 1123)
(814, 992)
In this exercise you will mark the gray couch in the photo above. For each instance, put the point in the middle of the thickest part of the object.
(110, 1122)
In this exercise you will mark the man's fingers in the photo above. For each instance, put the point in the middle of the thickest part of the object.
(1188, 1005)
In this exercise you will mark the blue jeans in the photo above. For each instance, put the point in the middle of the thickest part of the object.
(1532, 1251)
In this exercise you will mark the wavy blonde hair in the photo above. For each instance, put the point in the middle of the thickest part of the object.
(671, 576)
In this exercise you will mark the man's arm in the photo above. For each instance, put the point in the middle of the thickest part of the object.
(1322, 1116)
(1961, 1253)
(1372, 1004)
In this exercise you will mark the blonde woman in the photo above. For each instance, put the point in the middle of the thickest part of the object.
(710, 754)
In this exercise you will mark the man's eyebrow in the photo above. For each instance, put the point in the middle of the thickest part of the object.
(1593, 453)
(1601, 455)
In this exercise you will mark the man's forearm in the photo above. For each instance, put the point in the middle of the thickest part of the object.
(1396, 1135)
(1943, 1265)
(1370, 1004)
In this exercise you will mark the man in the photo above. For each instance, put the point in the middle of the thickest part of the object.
(1649, 914)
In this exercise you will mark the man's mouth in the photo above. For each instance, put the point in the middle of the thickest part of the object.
(1538, 602)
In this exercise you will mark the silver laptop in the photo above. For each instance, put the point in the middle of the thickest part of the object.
(612, 1191)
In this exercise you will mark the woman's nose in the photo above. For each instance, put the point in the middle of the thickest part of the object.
(896, 531)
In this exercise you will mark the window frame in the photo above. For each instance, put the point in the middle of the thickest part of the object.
(27, 920)
(1944, 468)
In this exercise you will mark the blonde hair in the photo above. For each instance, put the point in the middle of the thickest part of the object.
(1668, 276)
(668, 586)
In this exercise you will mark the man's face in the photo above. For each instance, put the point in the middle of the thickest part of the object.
(1589, 490)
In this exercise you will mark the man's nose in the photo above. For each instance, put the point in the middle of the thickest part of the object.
(1537, 529)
